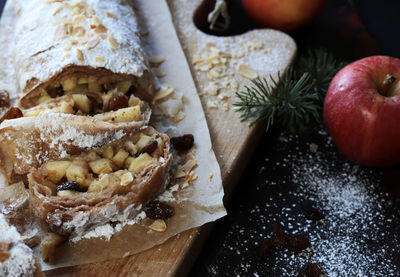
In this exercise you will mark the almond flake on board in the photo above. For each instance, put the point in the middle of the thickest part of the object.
(158, 225)
(156, 60)
(247, 72)
(159, 73)
(163, 93)
(79, 55)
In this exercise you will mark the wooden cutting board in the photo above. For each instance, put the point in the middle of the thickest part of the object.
(267, 52)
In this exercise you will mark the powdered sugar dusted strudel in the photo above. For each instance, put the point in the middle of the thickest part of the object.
(27, 142)
(68, 47)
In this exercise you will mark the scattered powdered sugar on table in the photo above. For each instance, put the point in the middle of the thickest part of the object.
(358, 237)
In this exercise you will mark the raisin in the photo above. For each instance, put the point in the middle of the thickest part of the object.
(182, 143)
(312, 213)
(12, 113)
(96, 100)
(158, 210)
(265, 247)
(279, 236)
(4, 99)
(298, 242)
(150, 147)
(55, 92)
(311, 270)
(69, 185)
(116, 102)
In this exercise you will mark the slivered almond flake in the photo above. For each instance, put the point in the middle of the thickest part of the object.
(247, 72)
(97, 19)
(163, 93)
(110, 15)
(59, 32)
(113, 43)
(79, 55)
(211, 89)
(157, 60)
(212, 104)
(74, 42)
(79, 19)
(225, 107)
(79, 31)
(158, 225)
(185, 185)
(65, 56)
(91, 11)
(180, 173)
(159, 73)
(57, 11)
(93, 43)
(100, 29)
(179, 116)
(214, 72)
(100, 59)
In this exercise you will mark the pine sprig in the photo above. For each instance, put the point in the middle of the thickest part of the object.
(322, 66)
(293, 100)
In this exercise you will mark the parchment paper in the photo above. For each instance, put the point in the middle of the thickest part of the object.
(196, 205)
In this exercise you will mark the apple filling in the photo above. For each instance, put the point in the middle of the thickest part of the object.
(114, 166)
(112, 106)
(83, 85)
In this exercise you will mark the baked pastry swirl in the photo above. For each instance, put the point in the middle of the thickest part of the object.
(101, 185)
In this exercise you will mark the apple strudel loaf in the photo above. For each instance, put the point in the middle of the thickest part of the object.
(87, 46)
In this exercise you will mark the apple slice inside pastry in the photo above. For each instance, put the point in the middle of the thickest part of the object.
(101, 185)
(113, 106)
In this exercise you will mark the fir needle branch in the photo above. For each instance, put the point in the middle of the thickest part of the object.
(293, 100)
(288, 102)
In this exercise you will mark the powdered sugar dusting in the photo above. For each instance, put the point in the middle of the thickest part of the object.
(358, 237)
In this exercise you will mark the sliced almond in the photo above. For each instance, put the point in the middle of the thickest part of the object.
(247, 72)
(212, 104)
(111, 15)
(159, 73)
(93, 43)
(163, 93)
(100, 59)
(158, 225)
(60, 32)
(100, 29)
(113, 43)
(79, 55)
(157, 60)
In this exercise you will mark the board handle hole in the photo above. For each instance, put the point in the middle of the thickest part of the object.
(239, 22)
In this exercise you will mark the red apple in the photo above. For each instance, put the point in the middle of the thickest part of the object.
(284, 15)
(362, 111)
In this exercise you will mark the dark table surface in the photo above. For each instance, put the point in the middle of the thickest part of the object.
(360, 235)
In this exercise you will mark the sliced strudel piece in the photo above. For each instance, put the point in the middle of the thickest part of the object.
(106, 184)
(28, 142)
